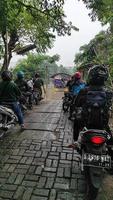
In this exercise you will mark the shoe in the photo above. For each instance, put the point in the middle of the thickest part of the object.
(74, 145)
(23, 127)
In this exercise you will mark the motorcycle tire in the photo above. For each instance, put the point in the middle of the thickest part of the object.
(2, 134)
(65, 107)
(91, 191)
(3, 130)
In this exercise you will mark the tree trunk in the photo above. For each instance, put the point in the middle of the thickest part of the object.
(9, 48)
(4, 67)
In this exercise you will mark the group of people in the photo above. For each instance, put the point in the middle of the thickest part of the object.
(94, 90)
(11, 91)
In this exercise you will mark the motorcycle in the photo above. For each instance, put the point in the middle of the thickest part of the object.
(67, 99)
(7, 119)
(94, 158)
(24, 102)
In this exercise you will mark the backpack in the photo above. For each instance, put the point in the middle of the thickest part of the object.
(95, 110)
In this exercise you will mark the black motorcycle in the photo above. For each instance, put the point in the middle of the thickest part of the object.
(94, 158)
(67, 99)
(25, 103)
(8, 119)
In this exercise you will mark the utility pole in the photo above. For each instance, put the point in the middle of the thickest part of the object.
(46, 81)
(6, 48)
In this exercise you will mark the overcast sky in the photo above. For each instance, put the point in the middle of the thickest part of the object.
(67, 46)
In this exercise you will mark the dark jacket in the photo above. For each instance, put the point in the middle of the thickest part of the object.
(9, 92)
(38, 82)
(22, 84)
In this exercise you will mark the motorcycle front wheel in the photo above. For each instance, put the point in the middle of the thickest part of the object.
(1, 134)
(65, 107)
(3, 120)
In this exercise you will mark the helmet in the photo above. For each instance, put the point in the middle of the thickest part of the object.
(37, 75)
(6, 75)
(20, 74)
(77, 75)
(97, 75)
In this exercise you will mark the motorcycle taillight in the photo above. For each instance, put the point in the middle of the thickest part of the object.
(97, 140)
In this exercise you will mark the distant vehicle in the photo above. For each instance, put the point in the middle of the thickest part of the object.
(58, 83)
(60, 79)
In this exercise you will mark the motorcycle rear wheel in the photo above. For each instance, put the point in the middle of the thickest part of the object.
(91, 191)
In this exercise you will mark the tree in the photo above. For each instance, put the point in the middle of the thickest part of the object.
(98, 51)
(31, 22)
(38, 62)
(1, 49)
(101, 9)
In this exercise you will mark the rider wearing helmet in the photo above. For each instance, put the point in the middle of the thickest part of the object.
(97, 76)
(21, 82)
(23, 86)
(77, 85)
(9, 94)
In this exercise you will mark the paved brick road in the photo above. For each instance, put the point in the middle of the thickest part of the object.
(36, 164)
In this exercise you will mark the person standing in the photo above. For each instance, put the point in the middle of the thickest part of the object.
(38, 84)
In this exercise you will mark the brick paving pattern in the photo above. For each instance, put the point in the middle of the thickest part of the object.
(35, 166)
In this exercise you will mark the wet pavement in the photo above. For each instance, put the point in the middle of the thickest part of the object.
(36, 163)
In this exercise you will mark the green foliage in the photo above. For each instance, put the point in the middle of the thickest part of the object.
(101, 9)
(33, 22)
(40, 63)
(98, 51)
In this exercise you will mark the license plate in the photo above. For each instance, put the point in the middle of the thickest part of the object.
(96, 160)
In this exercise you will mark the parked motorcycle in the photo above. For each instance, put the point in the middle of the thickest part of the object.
(24, 101)
(7, 119)
(94, 158)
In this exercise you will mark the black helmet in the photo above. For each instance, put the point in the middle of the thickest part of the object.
(6, 75)
(97, 75)
(37, 75)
